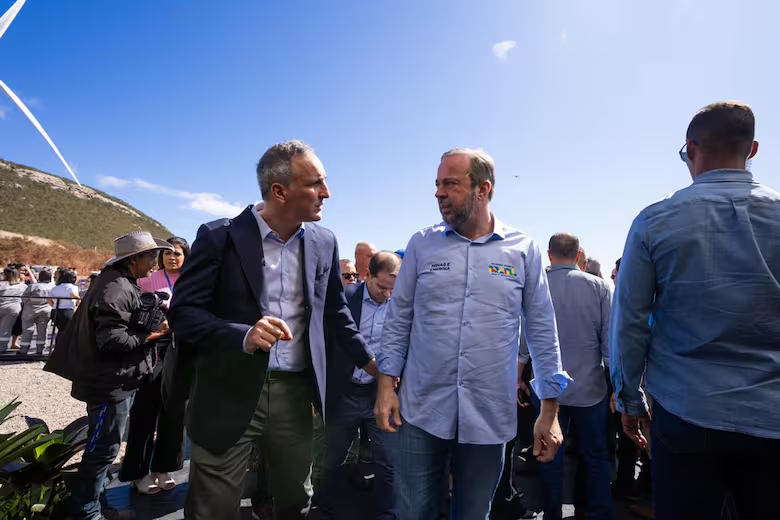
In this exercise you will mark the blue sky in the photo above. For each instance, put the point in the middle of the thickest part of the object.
(168, 104)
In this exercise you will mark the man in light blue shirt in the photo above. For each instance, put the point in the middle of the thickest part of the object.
(705, 262)
(354, 397)
(452, 334)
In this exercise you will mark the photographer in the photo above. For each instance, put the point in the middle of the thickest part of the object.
(106, 351)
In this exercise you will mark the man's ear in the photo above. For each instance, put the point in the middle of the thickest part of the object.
(753, 150)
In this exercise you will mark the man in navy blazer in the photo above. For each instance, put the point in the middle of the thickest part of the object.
(252, 302)
(352, 394)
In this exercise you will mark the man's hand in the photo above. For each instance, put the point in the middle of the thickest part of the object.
(613, 404)
(372, 368)
(387, 404)
(633, 427)
(547, 432)
(159, 333)
(523, 389)
(266, 333)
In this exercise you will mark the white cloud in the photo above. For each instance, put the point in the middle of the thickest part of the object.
(107, 181)
(501, 49)
(211, 203)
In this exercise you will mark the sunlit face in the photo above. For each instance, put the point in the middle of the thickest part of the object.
(349, 274)
(454, 191)
(307, 191)
(380, 287)
(141, 265)
(173, 260)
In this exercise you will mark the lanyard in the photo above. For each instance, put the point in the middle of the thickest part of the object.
(170, 285)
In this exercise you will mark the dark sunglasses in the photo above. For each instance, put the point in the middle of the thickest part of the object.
(349, 276)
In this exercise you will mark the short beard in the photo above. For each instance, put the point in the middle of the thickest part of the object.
(463, 214)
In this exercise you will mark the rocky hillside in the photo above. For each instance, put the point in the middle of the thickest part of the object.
(34, 203)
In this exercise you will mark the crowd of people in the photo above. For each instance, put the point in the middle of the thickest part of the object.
(30, 302)
(288, 358)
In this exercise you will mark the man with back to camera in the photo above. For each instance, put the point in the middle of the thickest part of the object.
(582, 311)
(452, 334)
(258, 337)
(704, 263)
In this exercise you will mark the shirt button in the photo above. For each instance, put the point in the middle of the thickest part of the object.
(468, 293)
(460, 383)
(466, 323)
(462, 353)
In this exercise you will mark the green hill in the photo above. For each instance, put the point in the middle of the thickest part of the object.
(36, 203)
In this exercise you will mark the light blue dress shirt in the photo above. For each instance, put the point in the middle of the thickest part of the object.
(452, 332)
(284, 287)
(583, 304)
(372, 320)
(705, 262)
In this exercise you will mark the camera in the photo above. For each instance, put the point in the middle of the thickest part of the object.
(152, 312)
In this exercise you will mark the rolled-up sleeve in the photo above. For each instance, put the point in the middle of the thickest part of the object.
(541, 331)
(630, 326)
(397, 329)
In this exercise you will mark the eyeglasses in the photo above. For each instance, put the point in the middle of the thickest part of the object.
(349, 276)
(684, 153)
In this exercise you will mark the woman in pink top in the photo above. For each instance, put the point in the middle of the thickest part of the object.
(148, 460)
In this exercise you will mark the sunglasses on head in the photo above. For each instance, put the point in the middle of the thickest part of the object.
(349, 276)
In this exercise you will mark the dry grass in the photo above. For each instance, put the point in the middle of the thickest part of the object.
(19, 250)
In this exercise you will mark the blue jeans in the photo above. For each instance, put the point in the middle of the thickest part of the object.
(591, 424)
(106, 426)
(694, 468)
(355, 408)
(476, 470)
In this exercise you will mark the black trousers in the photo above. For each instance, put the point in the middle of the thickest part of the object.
(144, 453)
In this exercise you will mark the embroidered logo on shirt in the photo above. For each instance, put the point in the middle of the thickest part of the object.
(441, 266)
(502, 270)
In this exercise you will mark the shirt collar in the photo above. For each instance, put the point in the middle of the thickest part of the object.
(265, 229)
(499, 230)
(561, 267)
(724, 176)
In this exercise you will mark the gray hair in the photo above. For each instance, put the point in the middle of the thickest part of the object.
(275, 166)
(594, 267)
(481, 169)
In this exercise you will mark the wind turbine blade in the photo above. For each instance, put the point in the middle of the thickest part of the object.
(38, 126)
(9, 16)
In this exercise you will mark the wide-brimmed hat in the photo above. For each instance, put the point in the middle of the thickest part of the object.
(134, 243)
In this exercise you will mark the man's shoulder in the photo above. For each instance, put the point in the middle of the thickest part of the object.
(590, 279)
(321, 232)
(352, 289)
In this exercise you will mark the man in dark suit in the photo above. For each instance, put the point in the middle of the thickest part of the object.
(253, 299)
(352, 393)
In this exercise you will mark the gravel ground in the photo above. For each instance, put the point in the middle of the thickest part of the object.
(43, 395)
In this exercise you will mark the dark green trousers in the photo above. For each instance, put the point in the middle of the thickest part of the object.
(283, 425)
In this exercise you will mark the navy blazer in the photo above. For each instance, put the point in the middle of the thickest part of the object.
(221, 294)
(340, 366)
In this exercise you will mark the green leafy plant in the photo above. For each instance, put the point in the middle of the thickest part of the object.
(32, 466)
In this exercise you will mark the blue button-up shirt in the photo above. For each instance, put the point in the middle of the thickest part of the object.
(372, 320)
(453, 326)
(583, 304)
(705, 262)
(284, 286)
